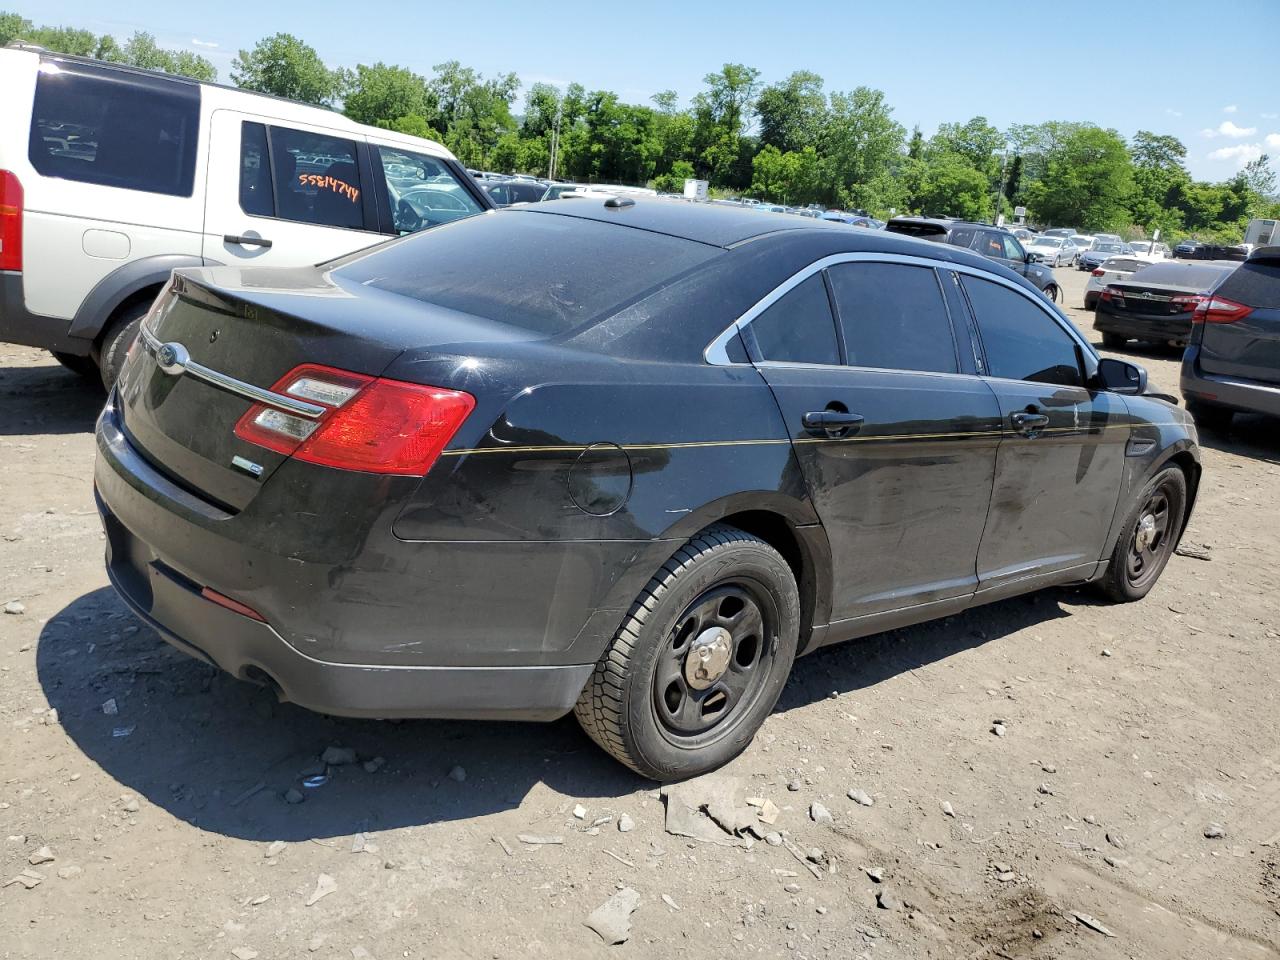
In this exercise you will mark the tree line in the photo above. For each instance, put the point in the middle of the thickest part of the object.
(791, 142)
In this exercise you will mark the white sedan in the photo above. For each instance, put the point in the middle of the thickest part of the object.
(1111, 271)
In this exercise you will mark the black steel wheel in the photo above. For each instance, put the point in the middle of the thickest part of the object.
(1148, 537)
(699, 660)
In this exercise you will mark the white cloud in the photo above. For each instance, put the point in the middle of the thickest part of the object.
(1273, 140)
(1240, 154)
(1230, 108)
(1270, 116)
(203, 43)
(1228, 129)
(1172, 112)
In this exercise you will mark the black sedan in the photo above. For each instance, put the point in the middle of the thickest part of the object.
(626, 458)
(1157, 303)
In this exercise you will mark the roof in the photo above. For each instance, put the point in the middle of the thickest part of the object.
(716, 225)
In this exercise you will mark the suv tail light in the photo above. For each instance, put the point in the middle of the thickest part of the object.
(369, 424)
(1220, 310)
(10, 221)
(1187, 302)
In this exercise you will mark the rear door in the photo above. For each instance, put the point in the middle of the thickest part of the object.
(1059, 465)
(1246, 343)
(285, 195)
(896, 439)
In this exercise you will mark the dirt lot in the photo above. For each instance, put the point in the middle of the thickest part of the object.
(1127, 732)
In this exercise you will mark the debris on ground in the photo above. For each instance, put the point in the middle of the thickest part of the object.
(458, 774)
(538, 840)
(820, 814)
(1092, 923)
(710, 809)
(861, 797)
(1194, 551)
(626, 824)
(325, 885)
(15, 607)
(886, 900)
(666, 898)
(579, 812)
(612, 919)
(27, 878)
(1214, 831)
(338, 756)
(43, 855)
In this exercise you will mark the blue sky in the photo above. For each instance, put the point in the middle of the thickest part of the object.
(1208, 73)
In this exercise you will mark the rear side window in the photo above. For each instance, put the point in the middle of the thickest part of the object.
(115, 129)
(317, 179)
(255, 171)
(422, 190)
(544, 273)
(963, 236)
(1254, 284)
(1021, 340)
(798, 326)
(893, 316)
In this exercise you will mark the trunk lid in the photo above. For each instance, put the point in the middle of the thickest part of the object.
(255, 326)
(1166, 290)
(1248, 347)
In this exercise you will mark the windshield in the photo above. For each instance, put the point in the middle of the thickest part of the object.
(422, 190)
(1141, 246)
(1047, 242)
(1122, 265)
(1109, 248)
(1082, 241)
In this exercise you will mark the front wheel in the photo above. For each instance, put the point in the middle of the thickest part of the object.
(1148, 537)
(1052, 292)
(700, 659)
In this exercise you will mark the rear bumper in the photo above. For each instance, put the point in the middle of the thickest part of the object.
(19, 325)
(1232, 392)
(449, 630)
(1142, 328)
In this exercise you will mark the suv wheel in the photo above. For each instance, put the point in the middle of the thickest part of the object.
(1052, 292)
(700, 660)
(117, 341)
(1147, 538)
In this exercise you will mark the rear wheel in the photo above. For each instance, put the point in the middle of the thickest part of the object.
(700, 660)
(1052, 292)
(80, 366)
(1147, 538)
(1210, 417)
(117, 341)
(1113, 341)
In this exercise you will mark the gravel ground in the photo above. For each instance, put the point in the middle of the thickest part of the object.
(1129, 733)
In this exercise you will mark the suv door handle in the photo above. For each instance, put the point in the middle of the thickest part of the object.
(1029, 423)
(831, 423)
(247, 241)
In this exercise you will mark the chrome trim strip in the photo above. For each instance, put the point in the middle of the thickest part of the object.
(717, 353)
(180, 362)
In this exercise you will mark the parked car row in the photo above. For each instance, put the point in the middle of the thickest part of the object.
(988, 240)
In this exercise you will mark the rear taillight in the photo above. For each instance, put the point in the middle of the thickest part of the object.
(369, 424)
(1219, 310)
(10, 221)
(1099, 272)
(1113, 293)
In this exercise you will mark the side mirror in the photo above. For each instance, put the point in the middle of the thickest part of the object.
(1121, 376)
(1033, 258)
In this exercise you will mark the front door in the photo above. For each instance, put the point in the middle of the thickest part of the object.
(1061, 456)
(284, 195)
(896, 442)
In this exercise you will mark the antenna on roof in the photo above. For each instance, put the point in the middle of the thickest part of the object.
(616, 202)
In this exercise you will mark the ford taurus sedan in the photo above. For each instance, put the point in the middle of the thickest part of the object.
(627, 458)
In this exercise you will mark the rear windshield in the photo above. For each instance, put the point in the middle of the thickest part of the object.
(1189, 276)
(1254, 284)
(544, 273)
(1124, 264)
(114, 128)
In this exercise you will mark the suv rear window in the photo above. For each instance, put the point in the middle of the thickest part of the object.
(115, 128)
(1255, 284)
(541, 272)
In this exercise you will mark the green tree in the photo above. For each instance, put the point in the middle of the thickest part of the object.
(860, 143)
(792, 112)
(14, 26)
(673, 182)
(950, 185)
(285, 66)
(378, 93)
(1087, 181)
(720, 114)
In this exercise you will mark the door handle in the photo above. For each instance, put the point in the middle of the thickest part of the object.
(831, 423)
(247, 241)
(1030, 422)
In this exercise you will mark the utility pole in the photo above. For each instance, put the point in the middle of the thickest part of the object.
(555, 139)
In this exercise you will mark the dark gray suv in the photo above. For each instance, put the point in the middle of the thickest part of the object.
(992, 242)
(1232, 361)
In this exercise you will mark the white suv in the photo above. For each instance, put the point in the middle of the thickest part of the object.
(110, 177)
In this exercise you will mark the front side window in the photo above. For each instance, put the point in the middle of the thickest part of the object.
(990, 244)
(317, 179)
(1022, 341)
(1012, 248)
(798, 327)
(422, 190)
(115, 129)
(893, 316)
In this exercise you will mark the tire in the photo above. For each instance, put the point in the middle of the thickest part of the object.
(1210, 417)
(80, 366)
(1147, 538)
(117, 341)
(1113, 341)
(641, 705)
(1052, 292)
